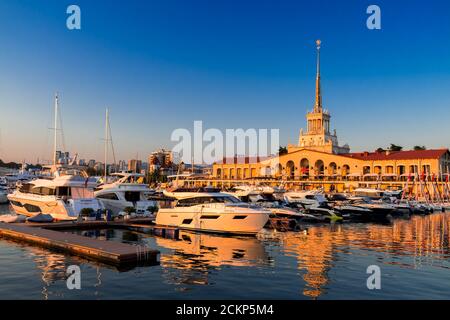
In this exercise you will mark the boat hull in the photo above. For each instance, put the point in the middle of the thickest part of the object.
(30, 205)
(242, 222)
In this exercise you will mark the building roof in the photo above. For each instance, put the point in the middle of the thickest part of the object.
(398, 155)
(242, 160)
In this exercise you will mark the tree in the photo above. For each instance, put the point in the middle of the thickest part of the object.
(91, 171)
(156, 176)
(282, 150)
(394, 147)
(380, 150)
(418, 148)
(10, 165)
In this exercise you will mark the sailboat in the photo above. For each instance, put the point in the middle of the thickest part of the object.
(126, 190)
(64, 196)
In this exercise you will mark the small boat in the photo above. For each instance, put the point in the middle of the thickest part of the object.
(353, 213)
(369, 193)
(380, 211)
(12, 218)
(41, 218)
(309, 198)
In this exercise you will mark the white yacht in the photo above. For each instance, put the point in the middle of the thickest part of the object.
(369, 192)
(308, 198)
(63, 197)
(126, 190)
(212, 212)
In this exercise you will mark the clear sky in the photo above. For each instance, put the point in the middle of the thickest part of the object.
(160, 65)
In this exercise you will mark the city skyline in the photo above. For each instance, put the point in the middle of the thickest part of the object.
(159, 69)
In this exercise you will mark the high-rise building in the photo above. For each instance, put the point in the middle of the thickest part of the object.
(134, 165)
(91, 163)
(122, 166)
(62, 157)
(160, 159)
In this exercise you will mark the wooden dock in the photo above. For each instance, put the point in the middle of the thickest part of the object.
(110, 252)
(74, 225)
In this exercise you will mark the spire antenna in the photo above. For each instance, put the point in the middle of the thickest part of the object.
(318, 104)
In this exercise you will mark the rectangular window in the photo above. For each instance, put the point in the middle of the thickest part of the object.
(82, 193)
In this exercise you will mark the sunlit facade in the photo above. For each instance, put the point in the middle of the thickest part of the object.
(318, 155)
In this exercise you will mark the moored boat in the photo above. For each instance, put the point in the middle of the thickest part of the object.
(128, 190)
(212, 212)
(63, 197)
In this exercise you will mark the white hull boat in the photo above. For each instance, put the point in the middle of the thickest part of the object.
(64, 197)
(213, 212)
(128, 191)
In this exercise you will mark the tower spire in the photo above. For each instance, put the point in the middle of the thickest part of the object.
(318, 104)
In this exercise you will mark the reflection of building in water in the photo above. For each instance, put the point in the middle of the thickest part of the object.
(314, 253)
(194, 255)
(52, 265)
(424, 239)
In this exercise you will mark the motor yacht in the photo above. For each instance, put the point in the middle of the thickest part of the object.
(126, 190)
(63, 197)
(212, 212)
(380, 211)
(307, 198)
(368, 193)
(279, 208)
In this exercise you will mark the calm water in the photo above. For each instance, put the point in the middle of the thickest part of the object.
(327, 262)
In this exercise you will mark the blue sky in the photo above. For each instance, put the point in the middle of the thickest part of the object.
(160, 65)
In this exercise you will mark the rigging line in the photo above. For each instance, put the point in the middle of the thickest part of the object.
(62, 130)
(112, 144)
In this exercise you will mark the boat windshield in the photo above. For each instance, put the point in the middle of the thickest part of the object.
(205, 200)
(82, 193)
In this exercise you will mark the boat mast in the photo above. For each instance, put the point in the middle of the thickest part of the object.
(55, 130)
(106, 142)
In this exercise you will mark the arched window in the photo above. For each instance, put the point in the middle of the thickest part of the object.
(332, 169)
(290, 169)
(304, 167)
(319, 168)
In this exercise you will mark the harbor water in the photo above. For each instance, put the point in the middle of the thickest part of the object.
(324, 262)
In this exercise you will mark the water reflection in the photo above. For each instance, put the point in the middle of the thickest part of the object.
(425, 240)
(194, 255)
(52, 268)
(195, 259)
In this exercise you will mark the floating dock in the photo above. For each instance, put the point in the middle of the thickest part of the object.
(95, 224)
(110, 252)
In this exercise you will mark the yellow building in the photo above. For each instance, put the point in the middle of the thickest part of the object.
(319, 156)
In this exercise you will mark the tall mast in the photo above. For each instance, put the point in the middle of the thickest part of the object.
(55, 160)
(106, 141)
(318, 104)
